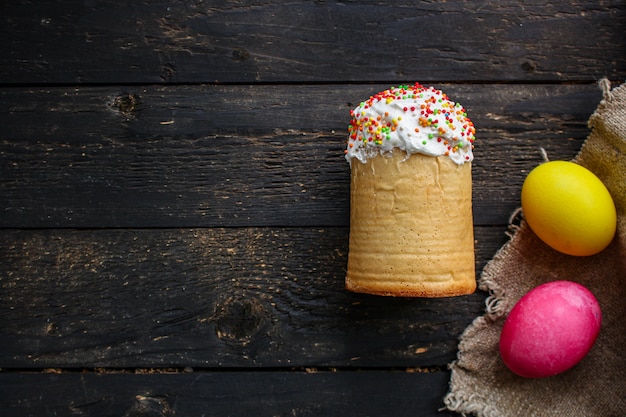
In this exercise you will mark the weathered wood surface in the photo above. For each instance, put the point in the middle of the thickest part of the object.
(310, 394)
(250, 297)
(244, 156)
(174, 198)
(310, 41)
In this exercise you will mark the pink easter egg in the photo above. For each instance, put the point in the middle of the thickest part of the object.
(550, 329)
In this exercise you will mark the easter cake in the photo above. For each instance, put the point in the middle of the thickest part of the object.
(411, 228)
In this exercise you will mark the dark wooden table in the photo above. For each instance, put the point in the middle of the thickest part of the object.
(174, 196)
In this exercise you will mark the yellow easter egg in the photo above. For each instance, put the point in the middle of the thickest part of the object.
(569, 208)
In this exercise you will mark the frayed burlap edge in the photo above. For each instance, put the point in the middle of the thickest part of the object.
(463, 398)
(459, 400)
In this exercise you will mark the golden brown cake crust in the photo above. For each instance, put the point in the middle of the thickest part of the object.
(411, 228)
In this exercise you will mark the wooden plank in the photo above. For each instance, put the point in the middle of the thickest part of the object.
(271, 393)
(189, 156)
(262, 297)
(265, 41)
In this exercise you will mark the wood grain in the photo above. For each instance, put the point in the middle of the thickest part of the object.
(271, 393)
(242, 156)
(260, 297)
(322, 41)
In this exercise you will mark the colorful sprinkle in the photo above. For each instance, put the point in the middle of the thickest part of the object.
(379, 124)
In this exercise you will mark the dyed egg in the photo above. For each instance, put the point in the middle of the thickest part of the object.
(550, 329)
(569, 208)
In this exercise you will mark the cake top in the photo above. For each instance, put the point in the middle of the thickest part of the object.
(413, 118)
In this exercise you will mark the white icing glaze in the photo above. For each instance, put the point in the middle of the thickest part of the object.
(413, 118)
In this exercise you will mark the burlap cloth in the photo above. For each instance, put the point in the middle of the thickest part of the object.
(480, 383)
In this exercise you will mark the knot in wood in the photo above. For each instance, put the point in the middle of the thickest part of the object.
(126, 104)
(239, 319)
(149, 406)
(529, 66)
(240, 54)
